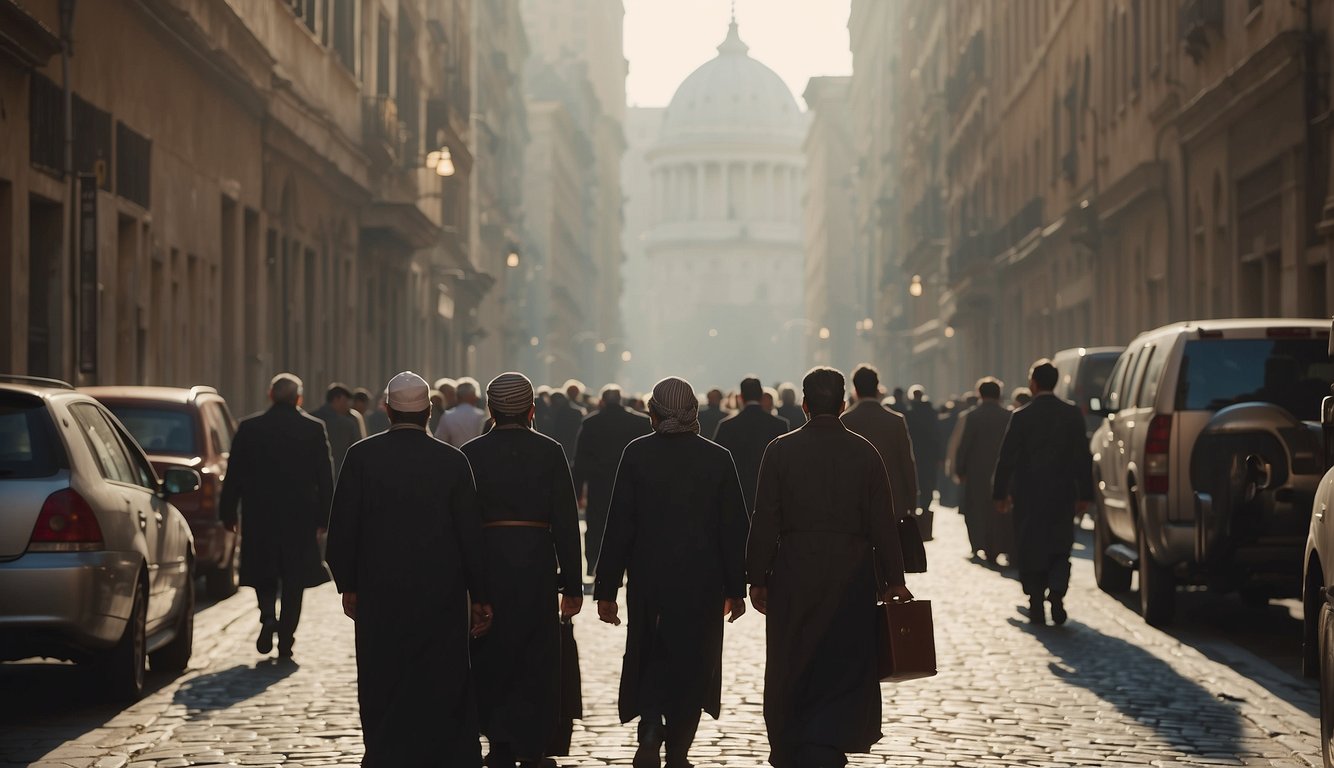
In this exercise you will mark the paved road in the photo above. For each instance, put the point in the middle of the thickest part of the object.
(1103, 690)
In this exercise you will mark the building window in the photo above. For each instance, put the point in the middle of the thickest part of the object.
(382, 55)
(133, 166)
(1136, 51)
(345, 32)
(46, 125)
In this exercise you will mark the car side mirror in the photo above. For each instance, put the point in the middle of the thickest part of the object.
(178, 480)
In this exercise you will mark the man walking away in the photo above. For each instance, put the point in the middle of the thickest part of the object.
(747, 433)
(980, 432)
(923, 426)
(405, 548)
(788, 408)
(823, 492)
(712, 413)
(372, 412)
(888, 432)
(598, 451)
(281, 475)
(677, 525)
(530, 538)
(565, 419)
(343, 428)
(464, 421)
(1044, 475)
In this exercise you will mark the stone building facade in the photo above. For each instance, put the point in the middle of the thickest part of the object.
(258, 199)
(1113, 165)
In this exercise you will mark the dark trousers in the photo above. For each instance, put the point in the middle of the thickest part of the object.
(267, 594)
(1050, 582)
(679, 727)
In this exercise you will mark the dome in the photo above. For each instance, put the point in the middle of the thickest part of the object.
(733, 95)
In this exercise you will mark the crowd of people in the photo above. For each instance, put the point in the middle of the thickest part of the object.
(447, 494)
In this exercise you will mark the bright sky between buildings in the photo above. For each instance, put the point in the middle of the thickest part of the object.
(665, 40)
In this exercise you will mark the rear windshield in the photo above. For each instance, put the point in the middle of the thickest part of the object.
(28, 445)
(159, 430)
(1093, 378)
(1292, 373)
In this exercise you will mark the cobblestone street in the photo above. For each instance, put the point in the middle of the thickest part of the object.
(1104, 689)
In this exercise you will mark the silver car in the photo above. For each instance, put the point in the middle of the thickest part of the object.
(96, 565)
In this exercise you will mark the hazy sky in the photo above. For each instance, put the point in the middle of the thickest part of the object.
(665, 40)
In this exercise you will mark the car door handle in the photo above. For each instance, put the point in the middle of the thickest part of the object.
(143, 521)
(157, 516)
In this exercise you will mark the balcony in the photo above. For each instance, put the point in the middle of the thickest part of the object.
(1195, 21)
(1023, 223)
(966, 75)
(973, 251)
(926, 219)
(382, 131)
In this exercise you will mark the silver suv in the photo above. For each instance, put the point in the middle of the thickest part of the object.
(95, 564)
(1207, 459)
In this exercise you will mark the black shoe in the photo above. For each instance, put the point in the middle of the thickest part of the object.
(649, 754)
(264, 643)
(1037, 613)
(285, 647)
(1058, 614)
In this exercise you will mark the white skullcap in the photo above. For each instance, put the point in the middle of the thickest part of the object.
(408, 393)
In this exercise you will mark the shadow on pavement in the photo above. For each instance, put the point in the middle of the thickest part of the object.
(220, 690)
(1190, 718)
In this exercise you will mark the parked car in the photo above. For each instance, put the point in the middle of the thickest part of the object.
(1083, 376)
(96, 564)
(187, 428)
(1318, 586)
(1208, 459)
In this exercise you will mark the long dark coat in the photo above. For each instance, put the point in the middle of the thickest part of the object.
(522, 476)
(1045, 465)
(601, 443)
(822, 544)
(710, 417)
(982, 429)
(924, 427)
(677, 526)
(565, 421)
(405, 537)
(888, 432)
(746, 434)
(343, 430)
(281, 476)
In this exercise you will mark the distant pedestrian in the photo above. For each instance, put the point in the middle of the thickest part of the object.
(747, 433)
(448, 389)
(405, 548)
(924, 426)
(677, 526)
(437, 410)
(280, 476)
(980, 432)
(530, 541)
(821, 551)
(464, 421)
(898, 401)
(1020, 397)
(787, 405)
(946, 421)
(888, 432)
(769, 400)
(565, 419)
(372, 411)
(602, 440)
(1044, 475)
(343, 428)
(712, 413)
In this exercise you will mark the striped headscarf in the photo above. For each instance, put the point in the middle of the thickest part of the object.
(510, 394)
(675, 405)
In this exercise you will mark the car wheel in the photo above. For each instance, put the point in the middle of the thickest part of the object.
(1112, 577)
(174, 657)
(1327, 684)
(221, 583)
(1157, 587)
(125, 664)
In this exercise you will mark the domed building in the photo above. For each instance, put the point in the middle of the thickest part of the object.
(720, 277)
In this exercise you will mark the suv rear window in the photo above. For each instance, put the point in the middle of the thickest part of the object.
(1292, 373)
(28, 444)
(159, 430)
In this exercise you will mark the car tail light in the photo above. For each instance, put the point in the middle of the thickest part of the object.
(209, 488)
(1157, 448)
(65, 524)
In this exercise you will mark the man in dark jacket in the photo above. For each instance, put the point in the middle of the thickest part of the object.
(747, 433)
(924, 427)
(677, 525)
(888, 432)
(343, 428)
(601, 442)
(981, 430)
(823, 491)
(1044, 475)
(564, 421)
(405, 548)
(712, 413)
(530, 538)
(787, 406)
(281, 475)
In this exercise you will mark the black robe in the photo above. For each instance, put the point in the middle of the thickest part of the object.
(281, 476)
(1046, 467)
(822, 544)
(746, 434)
(522, 476)
(405, 537)
(601, 443)
(677, 527)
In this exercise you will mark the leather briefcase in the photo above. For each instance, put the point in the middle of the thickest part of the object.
(905, 640)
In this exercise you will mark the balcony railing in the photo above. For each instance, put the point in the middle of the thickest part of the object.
(383, 131)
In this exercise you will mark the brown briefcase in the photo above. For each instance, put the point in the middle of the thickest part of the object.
(906, 641)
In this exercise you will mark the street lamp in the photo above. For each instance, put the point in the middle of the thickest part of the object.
(915, 288)
(824, 333)
(442, 162)
(949, 331)
(626, 356)
(512, 260)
